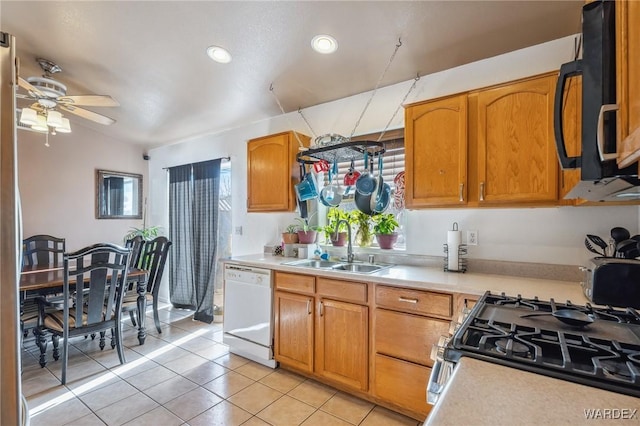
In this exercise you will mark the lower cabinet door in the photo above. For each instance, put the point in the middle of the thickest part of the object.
(294, 330)
(402, 383)
(342, 343)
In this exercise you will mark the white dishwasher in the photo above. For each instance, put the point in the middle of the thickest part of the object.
(248, 315)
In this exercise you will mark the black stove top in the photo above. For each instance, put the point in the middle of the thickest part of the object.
(604, 353)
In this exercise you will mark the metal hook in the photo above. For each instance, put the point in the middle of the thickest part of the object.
(271, 87)
(399, 42)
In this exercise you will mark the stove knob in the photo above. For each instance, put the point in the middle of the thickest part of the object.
(453, 327)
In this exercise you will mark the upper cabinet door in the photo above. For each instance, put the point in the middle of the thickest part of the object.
(628, 81)
(517, 159)
(272, 172)
(436, 152)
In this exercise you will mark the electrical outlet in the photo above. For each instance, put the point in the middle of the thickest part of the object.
(472, 238)
(238, 230)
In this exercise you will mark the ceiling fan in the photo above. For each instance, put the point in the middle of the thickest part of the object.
(50, 94)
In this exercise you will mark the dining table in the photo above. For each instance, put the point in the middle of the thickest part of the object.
(47, 278)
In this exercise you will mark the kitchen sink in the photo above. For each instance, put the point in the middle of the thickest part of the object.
(357, 267)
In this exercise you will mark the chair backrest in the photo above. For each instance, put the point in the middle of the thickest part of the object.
(153, 260)
(135, 244)
(98, 267)
(42, 250)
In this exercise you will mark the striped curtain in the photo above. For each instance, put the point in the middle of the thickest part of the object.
(193, 229)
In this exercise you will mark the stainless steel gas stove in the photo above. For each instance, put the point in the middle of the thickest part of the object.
(604, 353)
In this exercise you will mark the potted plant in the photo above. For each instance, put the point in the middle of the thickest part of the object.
(290, 234)
(337, 234)
(364, 236)
(147, 232)
(384, 229)
(306, 232)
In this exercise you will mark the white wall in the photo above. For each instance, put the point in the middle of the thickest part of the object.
(549, 235)
(57, 184)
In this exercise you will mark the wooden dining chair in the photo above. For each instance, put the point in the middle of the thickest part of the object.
(101, 271)
(136, 245)
(153, 259)
(37, 250)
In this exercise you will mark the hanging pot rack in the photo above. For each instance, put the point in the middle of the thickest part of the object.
(343, 151)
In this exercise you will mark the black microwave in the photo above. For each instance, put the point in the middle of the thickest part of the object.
(600, 177)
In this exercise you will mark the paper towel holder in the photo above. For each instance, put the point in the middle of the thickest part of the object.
(462, 251)
(462, 261)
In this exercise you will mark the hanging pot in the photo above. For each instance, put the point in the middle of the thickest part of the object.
(366, 183)
(352, 175)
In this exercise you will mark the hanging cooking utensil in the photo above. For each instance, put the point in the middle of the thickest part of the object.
(366, 183)
(567, 316)
(589, 245)
(383, 192)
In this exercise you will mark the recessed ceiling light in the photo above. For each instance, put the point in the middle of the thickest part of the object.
(324, 44)
(219, 54)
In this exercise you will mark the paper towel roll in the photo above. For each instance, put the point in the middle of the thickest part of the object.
(454, 238)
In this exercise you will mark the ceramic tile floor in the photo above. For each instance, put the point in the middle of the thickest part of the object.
(183, 376)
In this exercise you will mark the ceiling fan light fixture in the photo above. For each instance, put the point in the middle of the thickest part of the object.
(54, 119)
(28, 116)
(65, 127)
(219, 54)
(41, 124)
(324, 44)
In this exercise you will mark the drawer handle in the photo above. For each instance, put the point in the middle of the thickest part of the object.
(407, 299)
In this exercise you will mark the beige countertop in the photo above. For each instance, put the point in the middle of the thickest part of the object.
(483, 393)
(430, 278)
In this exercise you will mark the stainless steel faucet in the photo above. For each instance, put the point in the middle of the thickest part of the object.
(349, 246)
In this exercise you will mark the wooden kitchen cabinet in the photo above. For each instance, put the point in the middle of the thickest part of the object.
(342, 343)
(436, 152)
(322, 327)
(517, 160)
(408, 323)
(293, 335)
(272, 172)
(489, 147)
(628, 81)
(293, 320)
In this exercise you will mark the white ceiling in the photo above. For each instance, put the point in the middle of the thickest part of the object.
(150, 55)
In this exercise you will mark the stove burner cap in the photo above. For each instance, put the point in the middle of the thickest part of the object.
(615, 369)
(517, 348)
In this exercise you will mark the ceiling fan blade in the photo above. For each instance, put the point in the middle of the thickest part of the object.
(89, 115)
(21, 96)
(89, 100)
(29, 87)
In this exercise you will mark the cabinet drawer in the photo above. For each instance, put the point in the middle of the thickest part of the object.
(421, 302)
(402, 383)
(407, 336)
(295, 282)
(345, 290)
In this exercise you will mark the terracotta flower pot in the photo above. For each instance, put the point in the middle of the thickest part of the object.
(386, 241)
(289, 238)
(306, 237)
(341, 239)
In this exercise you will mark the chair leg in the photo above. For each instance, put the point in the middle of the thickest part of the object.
(156, 318)
(118, 338)
(41, 341)
(102, 344)
(113, 338)
(55, 339)
(133, 318)
(65, 358)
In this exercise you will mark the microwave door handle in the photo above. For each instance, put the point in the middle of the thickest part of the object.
(567, 70)
(600, 135)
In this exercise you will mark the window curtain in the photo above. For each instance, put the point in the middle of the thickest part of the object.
(193, 229)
